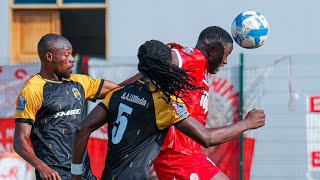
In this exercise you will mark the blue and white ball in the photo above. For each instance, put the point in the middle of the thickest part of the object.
(250, 29)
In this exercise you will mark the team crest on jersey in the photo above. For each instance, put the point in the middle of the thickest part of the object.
(181, 110)
(188, 50)
(76, 93)
(21, 104)
(194, 176)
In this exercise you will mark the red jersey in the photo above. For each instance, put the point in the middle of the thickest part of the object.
(196, 65)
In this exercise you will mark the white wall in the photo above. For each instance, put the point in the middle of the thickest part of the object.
(293, 25)
(4, 32)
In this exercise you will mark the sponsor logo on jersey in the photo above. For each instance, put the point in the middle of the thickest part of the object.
(67, 113)
(134, 98)
(204, 101)
(21, 104)
(76, 93)
(181, 110)
(188, 50)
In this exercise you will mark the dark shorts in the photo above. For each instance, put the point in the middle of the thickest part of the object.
(65, 174)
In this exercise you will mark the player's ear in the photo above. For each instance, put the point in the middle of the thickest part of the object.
(216, 49)
(49, 56)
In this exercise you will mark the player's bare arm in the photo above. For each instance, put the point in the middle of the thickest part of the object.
(208, 137)
(109, 85)
(106, 87)
(22, 147)
(96, 118)
(134, 78)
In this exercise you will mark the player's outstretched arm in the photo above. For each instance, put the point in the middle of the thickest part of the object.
(109, 85)
(96, 118)
(208, 137)
(106, 87)
(22, 147)
(134, 78)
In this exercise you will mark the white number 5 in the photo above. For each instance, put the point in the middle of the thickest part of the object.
(120, 124)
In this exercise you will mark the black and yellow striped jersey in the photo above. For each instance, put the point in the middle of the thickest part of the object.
(55, 109)
(138, 119)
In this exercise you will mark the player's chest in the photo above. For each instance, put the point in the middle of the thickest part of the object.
(63, 97)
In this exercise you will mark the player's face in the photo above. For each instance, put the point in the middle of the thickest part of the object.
(227, 52)
(64, 62)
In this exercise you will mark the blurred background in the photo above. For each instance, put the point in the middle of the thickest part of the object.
(281, 77)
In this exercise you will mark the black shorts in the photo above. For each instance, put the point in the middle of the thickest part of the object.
(65, 174)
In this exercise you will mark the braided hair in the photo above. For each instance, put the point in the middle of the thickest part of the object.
(155, 63)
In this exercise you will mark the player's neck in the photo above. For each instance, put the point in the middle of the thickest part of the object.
(47, 74)
(175, 59)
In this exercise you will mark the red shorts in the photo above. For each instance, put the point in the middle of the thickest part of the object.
(174, 165)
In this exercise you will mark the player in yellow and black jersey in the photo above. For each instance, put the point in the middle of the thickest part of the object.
(51, 106)
(55, 109)
(138, 125)
(139, 114)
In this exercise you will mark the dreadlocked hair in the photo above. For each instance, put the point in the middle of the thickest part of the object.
(155, 63)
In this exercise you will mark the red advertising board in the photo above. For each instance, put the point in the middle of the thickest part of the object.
(314, 104)
(6, 135)
(315, 159)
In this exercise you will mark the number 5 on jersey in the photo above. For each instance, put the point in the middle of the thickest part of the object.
(121, 123)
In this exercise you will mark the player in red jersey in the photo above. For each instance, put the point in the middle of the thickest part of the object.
(181, 157)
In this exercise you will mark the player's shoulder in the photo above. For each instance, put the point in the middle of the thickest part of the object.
(78, 77)
(130, 88)
(82, 79)
(34, 83)
(174, 45)
(110, 95)
(185, 51)
(116, 89)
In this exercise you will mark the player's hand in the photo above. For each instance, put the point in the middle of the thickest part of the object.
(76, 177)
(255, 119)
(47, 173)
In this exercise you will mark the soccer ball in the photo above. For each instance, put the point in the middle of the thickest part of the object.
(250, 29)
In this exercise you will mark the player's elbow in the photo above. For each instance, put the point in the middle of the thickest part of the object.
(208, 141)
(82, 130)
(206, 145)
(15, 146)
(17, 143)
(205, 140)
(79, 130)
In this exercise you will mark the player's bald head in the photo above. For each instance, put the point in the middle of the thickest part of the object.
(50, 43)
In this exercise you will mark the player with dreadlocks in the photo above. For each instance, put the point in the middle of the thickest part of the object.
(139, 114)
(162, 73)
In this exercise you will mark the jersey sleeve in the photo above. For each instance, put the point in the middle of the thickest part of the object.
(179, 110)
(92, 87)
(28, 103)
(168, 114)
